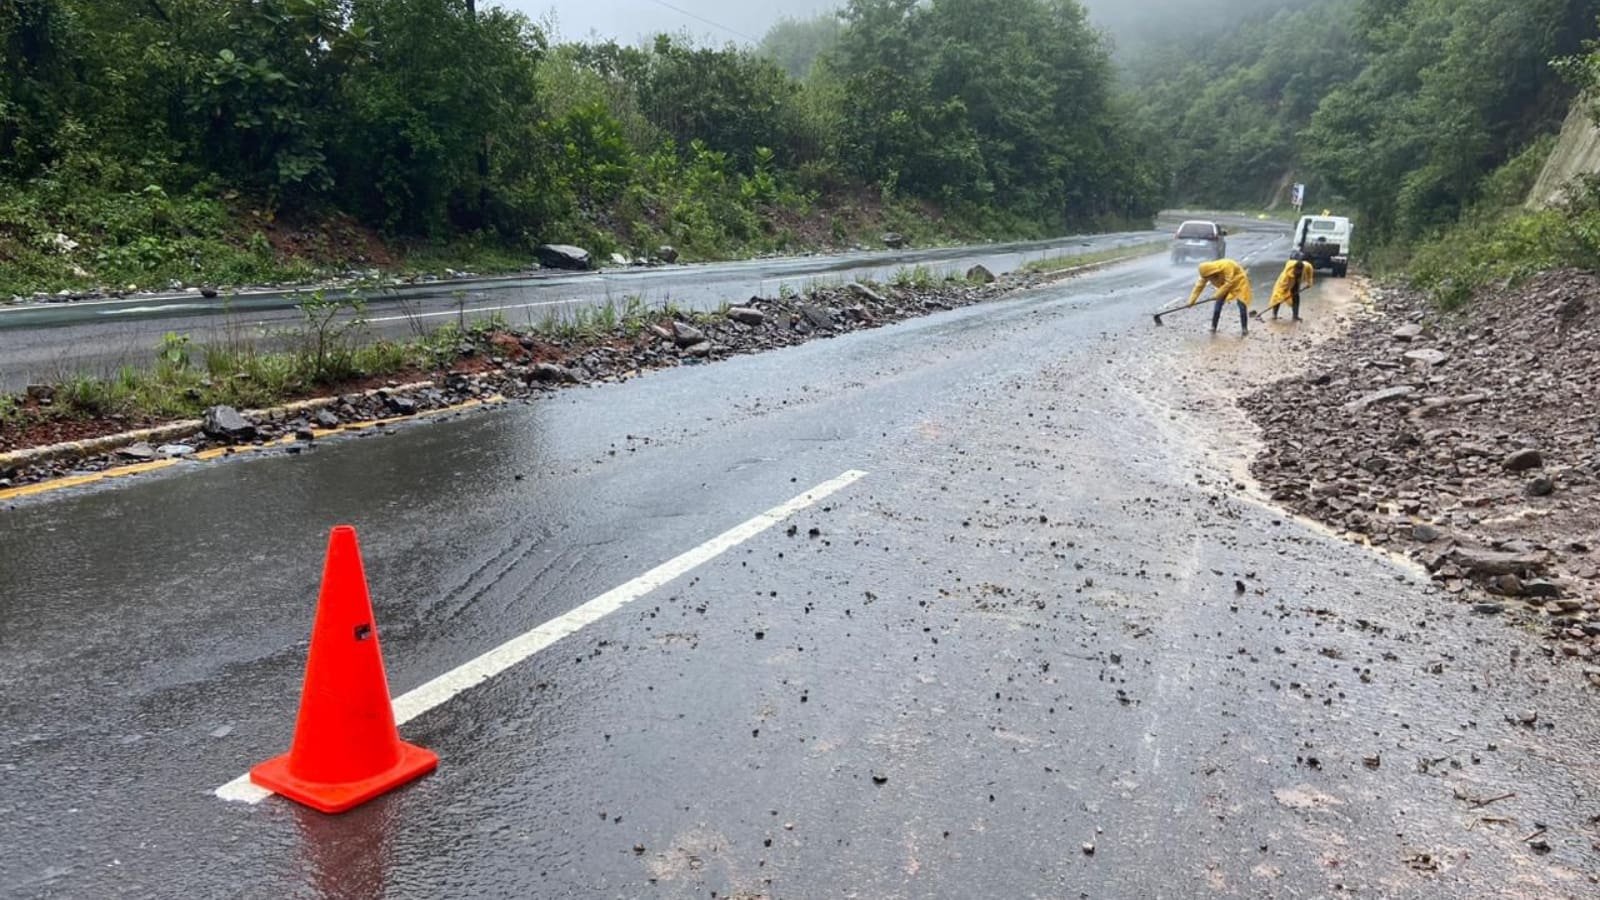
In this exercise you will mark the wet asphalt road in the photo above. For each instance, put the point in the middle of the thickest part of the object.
(49, 341)
(1023, 621)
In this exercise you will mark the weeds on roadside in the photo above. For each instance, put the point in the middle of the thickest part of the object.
(1072, 261)
(918, 278)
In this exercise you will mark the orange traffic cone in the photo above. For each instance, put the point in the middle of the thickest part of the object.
(346, 748)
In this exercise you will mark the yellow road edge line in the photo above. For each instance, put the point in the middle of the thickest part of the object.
(72, 481)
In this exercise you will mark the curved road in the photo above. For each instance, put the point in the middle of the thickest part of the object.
(1008, 660)
(46, 342)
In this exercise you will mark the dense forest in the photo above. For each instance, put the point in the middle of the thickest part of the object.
(1427, 120)
(1400, 109)
(148, 141)
(199, 139)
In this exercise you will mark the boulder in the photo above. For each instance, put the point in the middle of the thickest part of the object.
(1489, 563)
(1524, 460)
(981, 275)
(667, 254)
(325, 419)
(401, 406)
(744, 315)
(549, 373)
(816, 316)
(685, 335)
(224, 423)
(563, 256)
(865, 293)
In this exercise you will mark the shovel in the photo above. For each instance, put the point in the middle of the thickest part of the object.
(1167, 312)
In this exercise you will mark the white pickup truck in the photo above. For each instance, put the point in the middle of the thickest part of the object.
(1325, 242)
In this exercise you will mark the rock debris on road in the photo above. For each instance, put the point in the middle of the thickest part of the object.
(1013, 660)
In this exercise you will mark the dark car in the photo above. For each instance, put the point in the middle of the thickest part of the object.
(1199, 240)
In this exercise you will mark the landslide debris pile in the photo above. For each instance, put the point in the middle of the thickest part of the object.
(1468, 441)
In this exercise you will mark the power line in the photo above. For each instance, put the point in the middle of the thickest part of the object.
(684, 12)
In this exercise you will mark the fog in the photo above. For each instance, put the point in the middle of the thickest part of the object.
(1131, 23)
(716, 21)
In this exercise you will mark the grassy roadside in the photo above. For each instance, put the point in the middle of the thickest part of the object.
(1054, 264)
(328, 352)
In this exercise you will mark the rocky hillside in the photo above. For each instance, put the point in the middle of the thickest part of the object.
(1470, 443)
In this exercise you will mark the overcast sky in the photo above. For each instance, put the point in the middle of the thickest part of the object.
(629, 20)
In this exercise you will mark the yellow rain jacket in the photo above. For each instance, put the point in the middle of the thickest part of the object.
(1283, 291)
(1228, 277)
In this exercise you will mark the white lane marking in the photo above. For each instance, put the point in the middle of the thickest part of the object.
(133, 310)
(419, 700)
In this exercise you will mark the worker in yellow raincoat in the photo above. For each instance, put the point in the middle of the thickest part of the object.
(1232, 283)
(1297, 276)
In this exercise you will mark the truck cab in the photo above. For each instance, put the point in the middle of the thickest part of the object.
(1325, 242)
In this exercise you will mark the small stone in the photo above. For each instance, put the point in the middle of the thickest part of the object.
(41, 393)
(1489, 609)
(894, 240)
(325, 418)
(304, 434)
(1541, 486)
(1387, 395)
(1528, 717)
(866, 293)
(1543, 590)
(880, 780)
(402, 406)
(210, 293)
(1427, 358)
(667, 254)
(1425, 533)
(174, 451)
(222, 732)
(1088, 848)
(1407, 333)
(1506, 585)
(699, 351)
(139, 451)
(981, 275)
